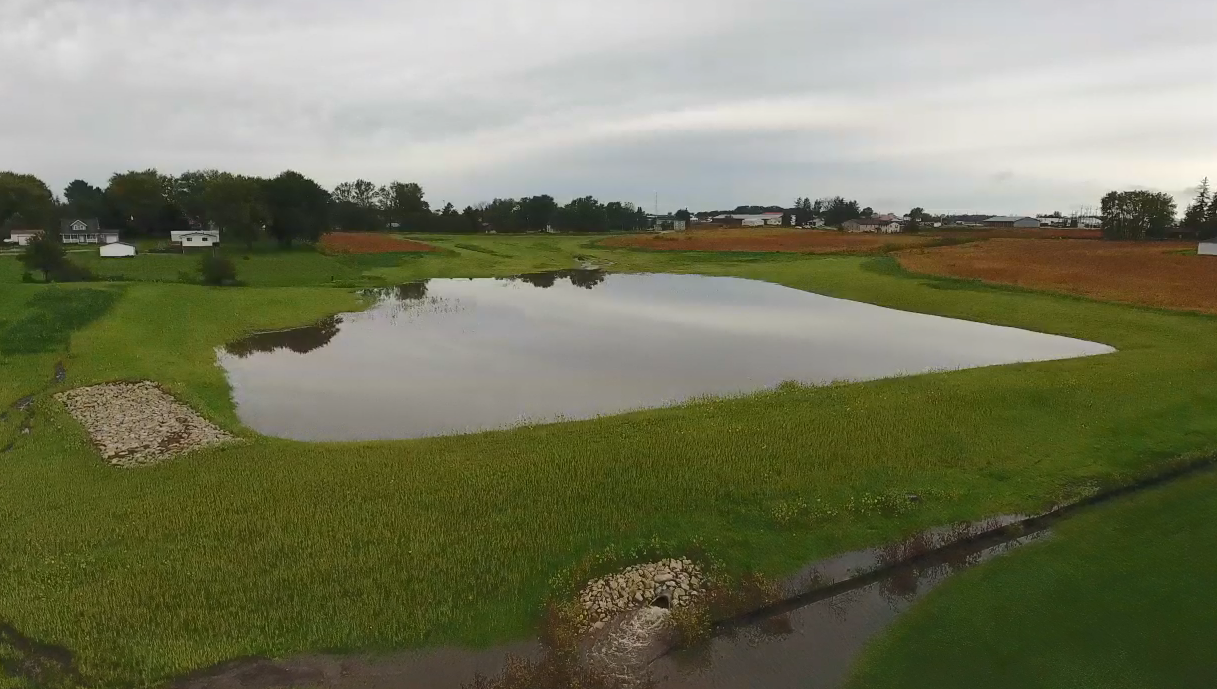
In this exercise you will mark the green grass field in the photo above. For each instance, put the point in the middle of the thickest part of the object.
(275, 547)
(1116, 599)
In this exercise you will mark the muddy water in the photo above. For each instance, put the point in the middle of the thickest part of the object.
(836, 608)
(428, 669)
(455, 356)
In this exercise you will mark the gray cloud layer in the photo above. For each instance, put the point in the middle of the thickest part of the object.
(1022, 106)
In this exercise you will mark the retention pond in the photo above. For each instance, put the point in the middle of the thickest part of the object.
(451, 356)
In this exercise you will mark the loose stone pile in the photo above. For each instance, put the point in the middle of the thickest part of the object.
(681, 581)
(137, 424)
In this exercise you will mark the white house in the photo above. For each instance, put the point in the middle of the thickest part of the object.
(1207, 249)
(22, 237)
(191, 238)
(116, 250)
(85, 231)
(871, 225)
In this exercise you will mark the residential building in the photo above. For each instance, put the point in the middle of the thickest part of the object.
(85, 231)
(1020, 222)
(192, 238)
(22, 237)
(872, 225)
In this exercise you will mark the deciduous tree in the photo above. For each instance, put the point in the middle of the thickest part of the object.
(298, 208)
(27, 195)
(1137, 214)
(236, 205)
(837, 210)
(45, 254)
(140, 199)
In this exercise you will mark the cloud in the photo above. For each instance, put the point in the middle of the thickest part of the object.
(711, 103)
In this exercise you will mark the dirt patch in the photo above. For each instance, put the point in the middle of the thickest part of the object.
(42, 665)
(368, 243)
(780, 239)
(1147, 273)
(137, 424)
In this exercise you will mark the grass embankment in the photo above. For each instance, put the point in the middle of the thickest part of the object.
(1117, 597)
(275, 547)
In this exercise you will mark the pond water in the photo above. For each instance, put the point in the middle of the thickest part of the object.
(450, 356)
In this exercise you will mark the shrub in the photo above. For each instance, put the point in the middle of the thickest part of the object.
(217, 270)
(70, 272)
(27, 276)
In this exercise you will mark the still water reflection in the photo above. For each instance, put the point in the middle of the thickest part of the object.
(452, 356)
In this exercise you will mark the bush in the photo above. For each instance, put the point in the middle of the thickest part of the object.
(217, 270)
(27, 276)
(71, 272)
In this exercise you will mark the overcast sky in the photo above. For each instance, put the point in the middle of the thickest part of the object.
(1004, 106)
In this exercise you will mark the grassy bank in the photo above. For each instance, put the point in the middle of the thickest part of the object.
(1115, 599)
(274, 547)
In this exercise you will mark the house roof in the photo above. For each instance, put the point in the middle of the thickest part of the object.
(91, 224)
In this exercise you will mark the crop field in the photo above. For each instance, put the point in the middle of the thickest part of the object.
(1013, 233)
(274, 547)
(368, 243)
(770, 239)
(1152, 274)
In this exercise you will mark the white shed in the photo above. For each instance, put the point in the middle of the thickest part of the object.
(116, 250)
(189, 239)
(1207, 249)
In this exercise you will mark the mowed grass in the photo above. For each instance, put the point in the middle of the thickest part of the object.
(1118, 598)
(273, 547)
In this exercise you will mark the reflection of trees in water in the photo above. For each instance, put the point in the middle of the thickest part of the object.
(579, 277)
(299, 340)
(407, 292)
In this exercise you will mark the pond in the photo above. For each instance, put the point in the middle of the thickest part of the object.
(450, 356)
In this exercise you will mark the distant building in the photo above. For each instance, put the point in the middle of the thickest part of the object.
(1207, 249)
(666, 222)
(85, 231)
(1012, 221)
(1090, 222)
(192, 238)
(749, 220)
(1052, 221)
(871, 225)
(116, 250)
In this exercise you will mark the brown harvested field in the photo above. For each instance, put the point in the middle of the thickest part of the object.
(1011, 233)
(770, 239)
(1150, 273)
(368, 243)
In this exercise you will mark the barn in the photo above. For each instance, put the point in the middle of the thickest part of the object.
(116, 250)
(1022, 223)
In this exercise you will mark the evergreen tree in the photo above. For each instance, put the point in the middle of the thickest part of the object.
(1199, 213)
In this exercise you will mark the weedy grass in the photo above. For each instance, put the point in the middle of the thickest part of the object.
(1116, 598)
(274, 547)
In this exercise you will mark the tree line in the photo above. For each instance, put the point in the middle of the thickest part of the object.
(287, 208)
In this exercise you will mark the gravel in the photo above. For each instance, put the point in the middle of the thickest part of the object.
(636, 587)
(139, 424)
